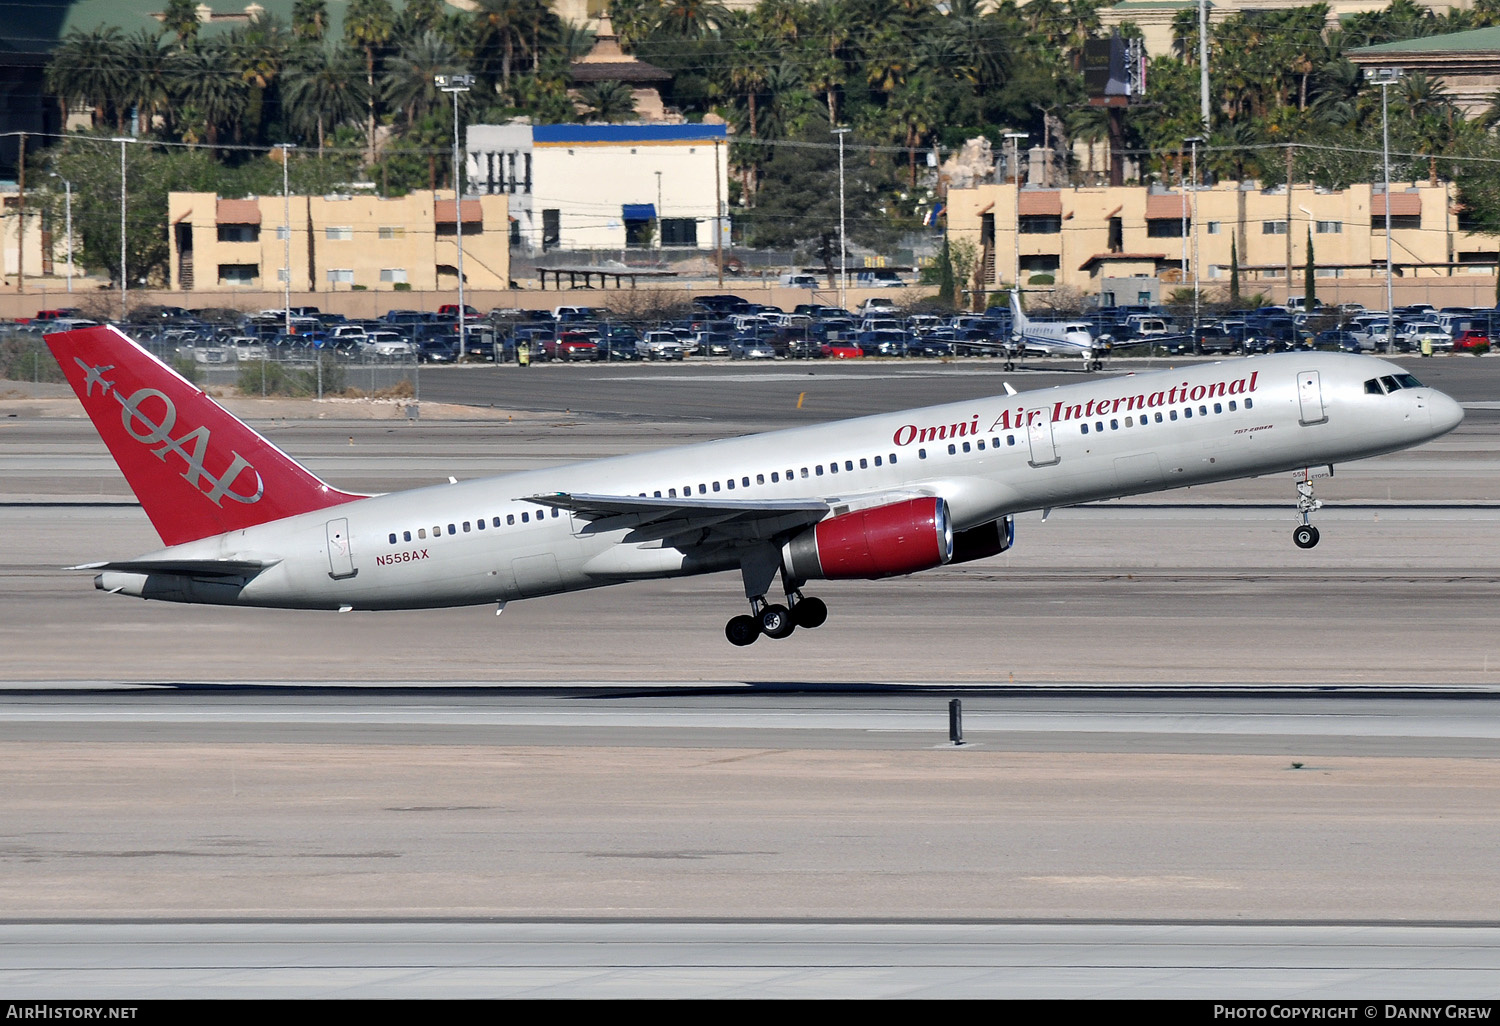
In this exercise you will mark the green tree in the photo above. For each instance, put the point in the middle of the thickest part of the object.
(180, 17)
(798, 208)
(368, 25)
(89, 69)
(309, 20)
(608, 102)
(947, 293)
(324, 89)
(410, 80)
(1309, 275)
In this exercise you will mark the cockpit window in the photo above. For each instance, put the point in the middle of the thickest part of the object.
(1391, 383)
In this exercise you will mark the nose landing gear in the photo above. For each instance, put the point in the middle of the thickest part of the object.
(1306, 535)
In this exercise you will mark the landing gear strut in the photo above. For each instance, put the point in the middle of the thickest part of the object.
(773, 620)
(1306, 535)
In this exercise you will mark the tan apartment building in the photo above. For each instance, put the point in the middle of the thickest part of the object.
(338, 243)
(1084, 238)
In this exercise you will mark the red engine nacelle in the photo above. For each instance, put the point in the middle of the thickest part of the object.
(885, 541)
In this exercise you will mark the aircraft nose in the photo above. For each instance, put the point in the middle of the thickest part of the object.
(1446, 413)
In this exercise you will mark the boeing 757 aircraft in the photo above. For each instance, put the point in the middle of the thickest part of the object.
(877, 496)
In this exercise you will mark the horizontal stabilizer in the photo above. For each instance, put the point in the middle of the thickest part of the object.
(183, 567)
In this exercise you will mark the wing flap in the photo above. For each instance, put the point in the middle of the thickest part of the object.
(687, 522)
(182, 567)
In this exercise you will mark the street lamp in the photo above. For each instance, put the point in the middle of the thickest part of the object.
(286, 235)
(453, 85)
(68, 226)
(843, 244)
(1385, 78)
(123, 141)
(658, 210)
(1015, 172)
(1193, 216)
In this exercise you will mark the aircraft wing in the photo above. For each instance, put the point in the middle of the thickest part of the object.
(699, 521)
(183, 567)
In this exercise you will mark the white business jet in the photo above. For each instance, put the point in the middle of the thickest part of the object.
(1050, 338)
(243, 524)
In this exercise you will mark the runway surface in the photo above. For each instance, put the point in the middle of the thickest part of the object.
(1200, 762)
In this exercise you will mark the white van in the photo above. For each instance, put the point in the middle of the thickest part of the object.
(878, 278)
(799, 281)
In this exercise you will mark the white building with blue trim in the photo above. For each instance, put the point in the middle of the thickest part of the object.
(605, 187)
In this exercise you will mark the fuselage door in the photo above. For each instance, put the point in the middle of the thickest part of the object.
(1310, 398)
(340, 552)
(1039, 436)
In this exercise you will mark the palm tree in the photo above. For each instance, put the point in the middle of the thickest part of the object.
(748, 69)
(692, 19)
(608, 102)
(1433, 115)
(309, 19)
(368, 24)
(181, 18)
(502, 24)
(148, 87)
(911, 108)
(89, 69)
(827, 77)
(324, 89)
(210, 90)
(408, 82)
(258, 51)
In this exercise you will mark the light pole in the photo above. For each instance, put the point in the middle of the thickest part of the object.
(123, 141)
(1385, 78)
(1015, 173)
(286, 235)
(843, 243)
(453, 85)
(68, 222)
(1193, 218)
(658, 210)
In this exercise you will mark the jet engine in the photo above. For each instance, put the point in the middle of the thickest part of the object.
(989, 539)
(885, 541)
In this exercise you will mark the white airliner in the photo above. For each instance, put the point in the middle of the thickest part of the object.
(1050, 338)
(878, 496)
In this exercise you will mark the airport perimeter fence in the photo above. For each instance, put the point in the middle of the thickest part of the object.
(24, 357)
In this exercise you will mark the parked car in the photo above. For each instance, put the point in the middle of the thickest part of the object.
(884, 342)
(841, 350)
(571, 346)
(438, 349)
(1471, 341)
(878, 277)
(714, 343)
(386, 345)
(919, 346)
(1335, 339)
(749, 348)
(660, 345)
(1213, 339)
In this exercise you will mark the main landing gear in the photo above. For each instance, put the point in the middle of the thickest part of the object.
(1306, 535)
(759, 568)
(776, 621)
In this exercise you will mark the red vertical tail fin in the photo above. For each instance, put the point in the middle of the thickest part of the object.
(197, 470)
